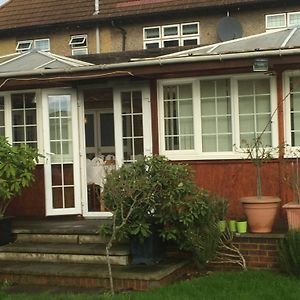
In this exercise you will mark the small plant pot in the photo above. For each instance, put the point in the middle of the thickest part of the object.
(5, 230)
(241, 226)
(232, 225)
(222, 225)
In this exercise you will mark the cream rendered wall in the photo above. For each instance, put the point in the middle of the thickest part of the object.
(253, 22)
(7, 45)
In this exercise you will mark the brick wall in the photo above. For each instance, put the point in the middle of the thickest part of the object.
(260, 250)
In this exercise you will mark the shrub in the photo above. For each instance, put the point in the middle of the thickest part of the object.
(289, 252)
(156, 191)
(16, 170)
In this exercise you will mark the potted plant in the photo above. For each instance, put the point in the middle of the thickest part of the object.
(292, 178)
(241, 225)
(260, 210)
(221, 208)
(16, 172)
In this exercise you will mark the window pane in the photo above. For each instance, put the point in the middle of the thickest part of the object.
(190, 42)
(171, 43)
(126, 102)
(151, 33)
(2, 122)
(246, 105)
(189, 29)
(18, 117)
(254, 110)
(89, 130)
(294, 19)
(137, 102)
(275, 21)
(178, 117)
(107, 129)
(216, 115)
(170, 31)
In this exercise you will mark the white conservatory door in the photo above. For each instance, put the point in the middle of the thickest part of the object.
(62, 172)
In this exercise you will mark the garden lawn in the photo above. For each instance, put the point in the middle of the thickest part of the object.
(220, 285)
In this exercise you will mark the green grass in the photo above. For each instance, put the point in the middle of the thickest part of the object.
(227, 285)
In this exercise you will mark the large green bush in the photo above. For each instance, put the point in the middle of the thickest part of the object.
(16, 170)
(160, 192)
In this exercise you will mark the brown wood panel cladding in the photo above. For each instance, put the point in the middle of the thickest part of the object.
(235, 179)
(31, 202)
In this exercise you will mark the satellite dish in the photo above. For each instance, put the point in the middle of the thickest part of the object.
(229, 29)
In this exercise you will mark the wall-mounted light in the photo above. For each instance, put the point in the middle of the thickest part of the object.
(261, 65)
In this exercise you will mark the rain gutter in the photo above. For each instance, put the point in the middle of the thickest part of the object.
(154, 62)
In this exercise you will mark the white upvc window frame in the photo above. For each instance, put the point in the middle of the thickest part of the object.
(274, 15)
(287, 108)
(80, 46)
(289, 17)
(40, 40)
(39, 118)
(145, 38)
(187, 24)
(196, 153)
(163, 38)
(19, 43)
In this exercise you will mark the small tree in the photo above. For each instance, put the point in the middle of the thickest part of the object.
(258, 153)
(16, 170)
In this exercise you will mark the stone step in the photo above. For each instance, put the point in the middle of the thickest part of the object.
(60, 252)
(86, 275)
(60, 238)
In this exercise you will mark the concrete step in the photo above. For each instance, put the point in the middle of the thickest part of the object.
(60, 238)
(64, 252)
(86, 275)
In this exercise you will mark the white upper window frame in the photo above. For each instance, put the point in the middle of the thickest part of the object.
(20, 43)
(78, 44)
(145, 38)
(289, 17)
(41, 40)
(81, 46)
(39, 118)
(196, 153)
(187, 24)
(287, 107)
(180, 37)
(274, 15)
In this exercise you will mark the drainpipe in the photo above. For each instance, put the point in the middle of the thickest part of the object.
(123, 32)
(96, 7)
(96, 12)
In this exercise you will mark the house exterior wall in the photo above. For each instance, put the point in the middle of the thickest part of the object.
(31, 202)
(252, 21)
(59, 40)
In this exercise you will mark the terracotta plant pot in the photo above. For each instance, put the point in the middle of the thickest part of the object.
(293, 214)
(260, 212)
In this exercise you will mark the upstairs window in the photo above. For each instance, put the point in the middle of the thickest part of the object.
(24, 46)
(42, 44)
(171, 35)
(78, 44)
(282, 20)
(38, 44)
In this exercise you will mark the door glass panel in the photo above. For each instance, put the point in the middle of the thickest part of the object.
(107, 129)
(132, 118)
(89, 130)
(61, 147)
